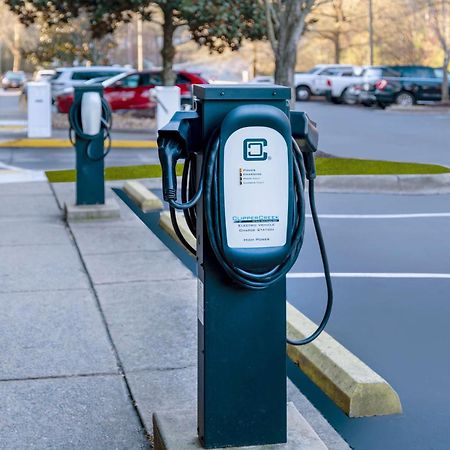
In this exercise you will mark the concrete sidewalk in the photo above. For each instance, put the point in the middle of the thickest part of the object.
(98, 328)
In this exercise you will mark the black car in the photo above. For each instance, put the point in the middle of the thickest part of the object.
(402, 85)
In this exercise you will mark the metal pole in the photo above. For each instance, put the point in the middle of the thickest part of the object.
(140, 49)
(255, 59)
(371, 32)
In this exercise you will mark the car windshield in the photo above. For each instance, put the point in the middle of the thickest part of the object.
(438, 73)
(372, 73)
(58, 73)
(110, 81)
(380, 72)
(314, 69)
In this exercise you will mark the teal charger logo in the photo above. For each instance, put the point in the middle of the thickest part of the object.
(254, 149)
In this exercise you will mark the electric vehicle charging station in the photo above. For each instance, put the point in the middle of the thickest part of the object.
(247, 159)
(90, 123)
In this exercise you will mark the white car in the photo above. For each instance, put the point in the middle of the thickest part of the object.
(337, 85)
(312, 82)
(266, 79)
(66, 77)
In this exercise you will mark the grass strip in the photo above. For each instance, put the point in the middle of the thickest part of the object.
(325, 166)
(112, 173)
(350, 166)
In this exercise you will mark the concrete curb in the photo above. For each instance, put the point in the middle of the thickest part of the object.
(371, 184)
(145, 199)
(385, 184)
(166, 224)
(344, 378)
(433, 109)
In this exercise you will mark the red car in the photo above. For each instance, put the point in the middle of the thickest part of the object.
(130, 90)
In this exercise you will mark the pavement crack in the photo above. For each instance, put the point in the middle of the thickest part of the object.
(119, 363)
(165, 280)
(161, 369)
(64, 376)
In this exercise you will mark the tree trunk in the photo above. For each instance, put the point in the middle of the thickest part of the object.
(168, 49)
(444, 88)
(291, 25)
(285, 60)
(17, 59)
(337, 48)
(17, 55)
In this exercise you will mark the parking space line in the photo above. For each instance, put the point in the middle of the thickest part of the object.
(383, 216)
(370, 275)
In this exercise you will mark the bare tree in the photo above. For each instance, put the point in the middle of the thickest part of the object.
(286, 20)
(439, 19)
(336, 21)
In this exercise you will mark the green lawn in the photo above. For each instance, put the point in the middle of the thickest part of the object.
(348, 166)
(112, 173)
(325, 166)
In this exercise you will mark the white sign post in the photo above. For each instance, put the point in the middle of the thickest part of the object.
(168, 102)
(39, 109)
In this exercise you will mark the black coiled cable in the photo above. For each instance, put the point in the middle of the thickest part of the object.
(76, 128)
(208, 185)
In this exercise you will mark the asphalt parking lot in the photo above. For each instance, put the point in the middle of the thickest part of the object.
(372, 133)
(389, 256)
(348, 131)
(391, 265)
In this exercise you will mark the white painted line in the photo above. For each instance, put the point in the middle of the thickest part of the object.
(11, 174)
(382, 216)
(369, 275)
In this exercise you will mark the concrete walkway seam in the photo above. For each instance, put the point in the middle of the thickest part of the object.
(105, 323)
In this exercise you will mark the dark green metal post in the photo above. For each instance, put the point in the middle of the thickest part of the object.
(90, 165)
(241, 332)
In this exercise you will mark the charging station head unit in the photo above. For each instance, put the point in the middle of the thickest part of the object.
(256, 187)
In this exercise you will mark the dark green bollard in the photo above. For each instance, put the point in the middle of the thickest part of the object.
(90, 152)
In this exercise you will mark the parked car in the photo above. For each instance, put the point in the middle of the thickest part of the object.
(311, 82)
(68, 77)
(132, 90)
(336, 84)
(44, 75)
(267, 79)
(14, 80)
(402, 85)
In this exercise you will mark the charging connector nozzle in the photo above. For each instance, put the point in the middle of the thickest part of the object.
(169, 153)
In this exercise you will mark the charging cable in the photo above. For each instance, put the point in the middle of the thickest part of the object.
(304, 168)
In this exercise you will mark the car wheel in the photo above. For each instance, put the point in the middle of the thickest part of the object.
(302, 93)
(347, 98)
(405, 99)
